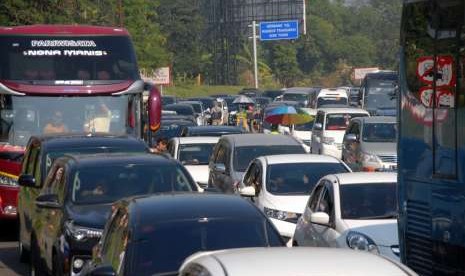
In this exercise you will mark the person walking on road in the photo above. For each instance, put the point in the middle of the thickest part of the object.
(217, 115)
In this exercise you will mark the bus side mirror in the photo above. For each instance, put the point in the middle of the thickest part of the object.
(154, 108)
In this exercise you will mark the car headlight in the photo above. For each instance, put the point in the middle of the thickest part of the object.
(281, 215)
(328, 140)
(80, 233)
(359, 241)
(370, 158)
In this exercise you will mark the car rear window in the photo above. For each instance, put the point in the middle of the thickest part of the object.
(340, 121)
(164, 247)
(244, 155)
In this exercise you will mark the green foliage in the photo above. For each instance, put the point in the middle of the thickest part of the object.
(183, 25)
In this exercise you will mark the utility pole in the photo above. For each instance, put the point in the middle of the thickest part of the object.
(255, 58)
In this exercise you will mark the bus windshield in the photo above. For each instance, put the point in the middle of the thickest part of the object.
(381, 94)
(21, 117)
(52, 60)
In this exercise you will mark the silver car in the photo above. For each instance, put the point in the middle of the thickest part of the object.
(370, 144)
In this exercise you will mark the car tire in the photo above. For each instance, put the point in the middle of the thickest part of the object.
(57, 269)
(294, 244)
(34, 263)
(24, 254)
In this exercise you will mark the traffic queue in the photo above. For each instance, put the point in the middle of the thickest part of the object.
(228, 178)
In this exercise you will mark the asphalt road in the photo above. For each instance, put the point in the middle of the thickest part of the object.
(9, 263)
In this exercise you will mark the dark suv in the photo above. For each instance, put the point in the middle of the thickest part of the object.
(41, 151)
(152, 235)
(75, 202)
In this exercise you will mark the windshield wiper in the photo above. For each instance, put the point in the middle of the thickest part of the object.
(385, 216)
(171, 273)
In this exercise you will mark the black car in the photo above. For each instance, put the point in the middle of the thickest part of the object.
(210, 131)
(152, 235)
(75, 202)
(165, 100)
(171, 128)
(250, 92)
(207, 102)
(40, 153)
(181, 109)
(272, 94)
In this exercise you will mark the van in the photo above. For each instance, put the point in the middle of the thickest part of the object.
(378, 93)
(329, 129)
(331, 96)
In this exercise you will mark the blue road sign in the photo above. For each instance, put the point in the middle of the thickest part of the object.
(279, 30)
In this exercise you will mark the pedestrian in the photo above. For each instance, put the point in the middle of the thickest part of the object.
(216, 115)
(250, 118)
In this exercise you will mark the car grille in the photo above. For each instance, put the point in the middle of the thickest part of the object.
(419, 245)
(388, 158)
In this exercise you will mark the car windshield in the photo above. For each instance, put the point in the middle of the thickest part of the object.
(368, 201)
(168, 100)
(180, 109)
(54, 154)
(295, 97)
(332, 100)
(340, 121)
(195, 154)
(51, 60)
(304, 127)
(163, 248)
(108, 183)
(381, 99)
(298, 178)
(22, 117)
(169, 130)
(380, 132)
(244, 155)
(197, 107)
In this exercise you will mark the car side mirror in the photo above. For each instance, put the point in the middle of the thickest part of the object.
(318, 126)
(102, 270)
(351, 138)
(48, 201)
(248, 191)
(27, 180)
(154, 108)
(220, 167)
(320, 218)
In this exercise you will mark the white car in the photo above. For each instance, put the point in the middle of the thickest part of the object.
(329, 129)
(280, 185)
(331, 96)
(194, 153)
(353, 210)
(281, 261)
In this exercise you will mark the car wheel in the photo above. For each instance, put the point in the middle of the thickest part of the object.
(24, 254)
(294, 243)
(57, 269)
(34, 264)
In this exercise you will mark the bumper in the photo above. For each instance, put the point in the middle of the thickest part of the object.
(285, 229)
(331, 150)
(73, 250)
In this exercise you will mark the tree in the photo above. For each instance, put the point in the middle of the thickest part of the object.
(183, 25)
(284, 63)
